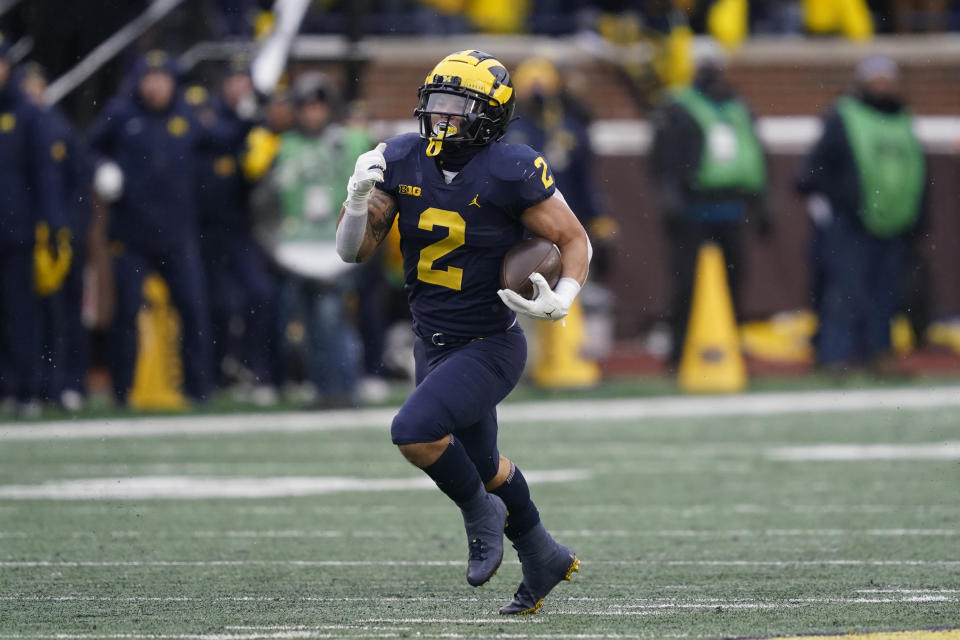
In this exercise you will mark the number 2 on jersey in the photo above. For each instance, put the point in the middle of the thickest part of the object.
(547, 179)
(450, 277)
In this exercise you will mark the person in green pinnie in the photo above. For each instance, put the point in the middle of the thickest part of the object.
(865, 181)
(710, 174)
(306, 186)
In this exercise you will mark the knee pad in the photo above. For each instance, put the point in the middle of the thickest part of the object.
(413, 425)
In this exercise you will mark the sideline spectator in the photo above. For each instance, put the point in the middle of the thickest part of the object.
(153, 138)
(242, 291)
(865, 183)
(556, 124)
(307, 182)
(710, 173)
(66, 341)
(32, 222)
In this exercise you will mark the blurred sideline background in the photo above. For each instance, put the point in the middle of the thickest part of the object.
(789, 60)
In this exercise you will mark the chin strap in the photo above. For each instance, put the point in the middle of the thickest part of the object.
(441, 131)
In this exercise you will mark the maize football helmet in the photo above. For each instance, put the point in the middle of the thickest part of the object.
(473, 87)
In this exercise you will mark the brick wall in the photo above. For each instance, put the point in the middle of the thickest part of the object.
(775, 81)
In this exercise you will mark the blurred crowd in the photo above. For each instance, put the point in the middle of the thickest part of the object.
(207, 200)
(201, 197)
(232, 203)
(557, 17)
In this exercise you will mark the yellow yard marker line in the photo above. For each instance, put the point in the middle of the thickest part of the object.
(946, 634)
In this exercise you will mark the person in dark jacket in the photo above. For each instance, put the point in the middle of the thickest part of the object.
(66, 341)
(149, 138)
(34, 241)
(865, 182)
(243, 291)
(709, 170)
(553, 121)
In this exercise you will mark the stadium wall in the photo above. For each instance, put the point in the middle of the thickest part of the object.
(788, 84)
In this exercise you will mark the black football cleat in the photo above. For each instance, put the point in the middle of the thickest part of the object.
(485, 541)
(540, 575)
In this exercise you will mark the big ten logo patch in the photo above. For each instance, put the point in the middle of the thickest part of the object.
(407, 190)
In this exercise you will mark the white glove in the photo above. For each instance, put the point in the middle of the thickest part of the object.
(551, 304)
(353, 227)
(819, 210)
(367, 172)
(108, 181)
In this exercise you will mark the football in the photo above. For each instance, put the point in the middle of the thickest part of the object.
(536, 255)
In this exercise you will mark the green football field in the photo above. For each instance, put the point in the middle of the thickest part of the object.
(753, 516)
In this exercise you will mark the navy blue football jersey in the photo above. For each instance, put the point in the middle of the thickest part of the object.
(453, 236)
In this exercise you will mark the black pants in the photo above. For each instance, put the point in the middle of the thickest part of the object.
(684, 238)
(21, 326)
(182, 269)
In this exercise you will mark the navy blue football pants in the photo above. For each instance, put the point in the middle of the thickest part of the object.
(183, 272)
(458, 388)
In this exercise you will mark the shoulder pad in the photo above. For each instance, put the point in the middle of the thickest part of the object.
(399, 147)
(512, 162)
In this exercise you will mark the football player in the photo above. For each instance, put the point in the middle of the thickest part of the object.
(462, 199)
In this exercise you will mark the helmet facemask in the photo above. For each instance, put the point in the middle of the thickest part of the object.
(467, 100)
(455, 118)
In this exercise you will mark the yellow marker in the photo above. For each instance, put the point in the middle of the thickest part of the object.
(159, 370)
(946, 634)
(712, 362)
(558, 363)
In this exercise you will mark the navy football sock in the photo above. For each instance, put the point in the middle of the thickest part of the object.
(456, 476)
(522, 513)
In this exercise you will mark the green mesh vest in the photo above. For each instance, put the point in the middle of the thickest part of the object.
(311, 176)
(732, 157)
(890, 165)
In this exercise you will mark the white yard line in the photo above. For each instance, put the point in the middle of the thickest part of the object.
(276, 635)
(623, 602)
(908, 591)
(949, 450)
(320, 627)
(205, 487)
(29, 598)
(581, 411)
(567, 636)
(458, 563)
(686, 510)
(562, 533)
(773, 533)
(790, 602)
(294, 633)
(628, 603)
(683, 511)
